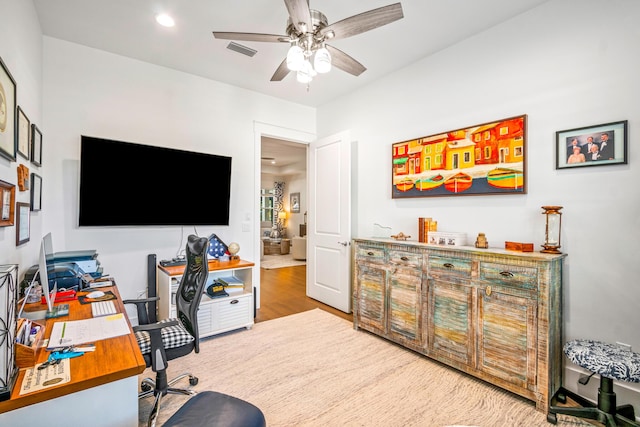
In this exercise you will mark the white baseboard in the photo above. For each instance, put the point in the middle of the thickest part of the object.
(625, 392)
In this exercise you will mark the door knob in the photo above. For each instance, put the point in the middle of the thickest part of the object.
(344, 243)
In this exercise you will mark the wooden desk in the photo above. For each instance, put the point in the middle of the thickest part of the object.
(103, 390)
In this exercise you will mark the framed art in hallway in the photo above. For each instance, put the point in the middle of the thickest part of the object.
(484, 159)
(8, 134)
(294, 203)
(597, 145)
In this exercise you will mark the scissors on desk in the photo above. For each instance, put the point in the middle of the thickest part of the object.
(57, 356)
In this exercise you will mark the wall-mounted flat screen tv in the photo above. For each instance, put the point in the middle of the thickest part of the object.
(127, 184)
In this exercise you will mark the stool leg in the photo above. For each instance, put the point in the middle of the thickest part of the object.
(606, 396)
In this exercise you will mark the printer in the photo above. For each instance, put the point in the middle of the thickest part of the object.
(70, 270)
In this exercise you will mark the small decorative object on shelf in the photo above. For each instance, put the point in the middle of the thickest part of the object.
(400, 236)
(552, 229)
(234, 248)
(481, 241)
(217, 248)
(518, 246)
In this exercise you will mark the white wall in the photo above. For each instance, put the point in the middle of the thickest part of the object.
(566, 64)
(21, 51)
(91, 92)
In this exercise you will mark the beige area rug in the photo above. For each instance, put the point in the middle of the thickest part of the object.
(279, 261)
(314, 369)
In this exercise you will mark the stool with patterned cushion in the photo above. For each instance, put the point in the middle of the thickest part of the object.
(610, 362)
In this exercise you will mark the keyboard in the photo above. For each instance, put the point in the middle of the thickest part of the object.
(103, 308)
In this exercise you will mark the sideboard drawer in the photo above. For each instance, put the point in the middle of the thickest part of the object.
(409, 259)
(512, 276)
(450, 269)
(370, 254)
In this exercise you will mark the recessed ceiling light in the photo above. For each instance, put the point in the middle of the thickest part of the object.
(165, 20)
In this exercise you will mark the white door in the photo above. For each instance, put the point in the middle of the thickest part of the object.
(329, 221)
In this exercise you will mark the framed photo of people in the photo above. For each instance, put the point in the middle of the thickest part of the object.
(598, 145)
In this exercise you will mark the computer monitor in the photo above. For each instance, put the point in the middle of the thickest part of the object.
(49, 294)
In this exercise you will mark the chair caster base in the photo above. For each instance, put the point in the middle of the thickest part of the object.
(193, 380)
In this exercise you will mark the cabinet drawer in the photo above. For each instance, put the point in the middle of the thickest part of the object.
(408, 259)
(234, 312)
(369, 253)
(450, 269)
(509, 276)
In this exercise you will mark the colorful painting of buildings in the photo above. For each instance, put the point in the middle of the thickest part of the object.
(475, 150)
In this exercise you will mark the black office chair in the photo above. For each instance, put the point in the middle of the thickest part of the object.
(173, 338)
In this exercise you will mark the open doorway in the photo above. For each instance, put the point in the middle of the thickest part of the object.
(282, 228)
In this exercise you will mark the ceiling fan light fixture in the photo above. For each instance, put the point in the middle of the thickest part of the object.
(322, 60)
(306, 73)
(295, 58)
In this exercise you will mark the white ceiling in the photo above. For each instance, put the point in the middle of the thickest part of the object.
(128, 28)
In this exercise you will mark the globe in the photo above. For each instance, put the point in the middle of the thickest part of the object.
(233, 248)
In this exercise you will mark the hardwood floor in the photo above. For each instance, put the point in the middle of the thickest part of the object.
(283, 292)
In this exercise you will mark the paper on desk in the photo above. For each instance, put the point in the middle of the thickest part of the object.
(78, 332)
(36, 379)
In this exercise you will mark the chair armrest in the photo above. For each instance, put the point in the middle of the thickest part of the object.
(157, 354)
(142, 308)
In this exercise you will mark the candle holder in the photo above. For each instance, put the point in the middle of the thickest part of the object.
(552, 229)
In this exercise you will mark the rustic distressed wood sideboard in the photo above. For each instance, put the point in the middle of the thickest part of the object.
(491, 313)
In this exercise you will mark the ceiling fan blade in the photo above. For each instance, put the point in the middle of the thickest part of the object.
(343, 61)
(281, 72)
(300, 14)
(365, 21)
(251, 37)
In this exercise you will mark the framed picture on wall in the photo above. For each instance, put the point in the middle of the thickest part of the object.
(22, 223)
(36, 192)
(24, 134)
(7, 203)
(294, 202)
(36, 145)
(8, 130)
(598, 145)
(484, 159)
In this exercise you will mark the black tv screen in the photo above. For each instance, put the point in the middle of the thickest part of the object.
(127, 184)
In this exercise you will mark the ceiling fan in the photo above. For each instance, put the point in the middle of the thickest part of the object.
(307, 32)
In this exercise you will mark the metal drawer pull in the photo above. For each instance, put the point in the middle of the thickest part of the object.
(506, 273)
(488, 291)
(448, 265)
(235, 301)
(404, 258)
(370, 253)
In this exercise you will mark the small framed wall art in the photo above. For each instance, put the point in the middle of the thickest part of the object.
(36, 145)
(598, 145)
(36, 192)
(22, 223)
(24, 134)
(484, 159)
(8, 201)
(294, 202)
(7, 113)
